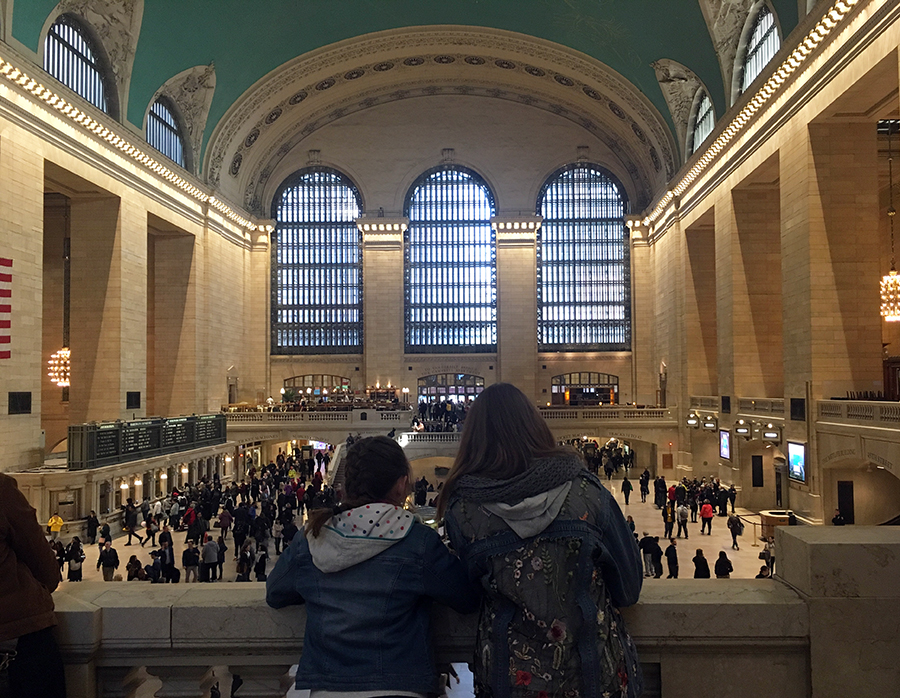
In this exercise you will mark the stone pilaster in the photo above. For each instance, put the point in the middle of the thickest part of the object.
(517, 300)
(383, 300)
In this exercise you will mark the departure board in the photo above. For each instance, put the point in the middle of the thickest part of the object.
(97, 444)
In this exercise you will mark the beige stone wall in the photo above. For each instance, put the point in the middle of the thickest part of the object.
(195, 310)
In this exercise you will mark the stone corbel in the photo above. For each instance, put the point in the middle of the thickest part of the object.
(382, 232)
(516, 231)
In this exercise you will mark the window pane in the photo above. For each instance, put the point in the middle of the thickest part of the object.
(317, 266)
(764, 44)
(70, 58)
(164, 132)
(706, 120)
(450, 264)
(584, 287)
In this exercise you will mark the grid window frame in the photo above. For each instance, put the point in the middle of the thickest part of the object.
(450, 264)
(164, 130)
(704, 120)
(75, 58)
(583, 263)
(317, 270)
(763, 43)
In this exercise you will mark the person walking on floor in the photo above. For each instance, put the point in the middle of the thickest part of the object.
(736, 528)
(706, 517)
(627, 488)
(682, 513)
(55, 524)
(672, 559)
(108, 561)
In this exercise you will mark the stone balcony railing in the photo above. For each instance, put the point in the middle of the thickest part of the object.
(870, 414)
(827, 630)
(371, 417)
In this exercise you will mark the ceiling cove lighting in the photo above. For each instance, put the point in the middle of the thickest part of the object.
(791, 64)
(20, 79)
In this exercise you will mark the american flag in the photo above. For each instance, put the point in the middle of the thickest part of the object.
(5, 306)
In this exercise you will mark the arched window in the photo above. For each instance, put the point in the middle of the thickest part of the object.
(456, 387)
(164, 130)
(316, 265)
(73, 58)
(450, 264)
(704, 121)
(584, 287)
(584, 389)
(762, 45)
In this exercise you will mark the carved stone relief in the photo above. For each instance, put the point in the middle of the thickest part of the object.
(118, 26)
(679, 85)
(595, 95)
(192, 92)
(725, 20)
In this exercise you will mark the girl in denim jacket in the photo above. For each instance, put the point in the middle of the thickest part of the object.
(367, 571)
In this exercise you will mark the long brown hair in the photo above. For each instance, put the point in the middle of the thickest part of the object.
(503, 433)
(372, 466)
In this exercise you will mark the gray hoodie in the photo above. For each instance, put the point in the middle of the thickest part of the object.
(357, 535)
(533, 514)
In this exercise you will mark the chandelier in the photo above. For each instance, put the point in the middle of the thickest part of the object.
(59, 367)
(890, 282)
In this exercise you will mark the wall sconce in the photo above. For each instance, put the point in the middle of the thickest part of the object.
(710, 423)
(693, 420)
(742, 428)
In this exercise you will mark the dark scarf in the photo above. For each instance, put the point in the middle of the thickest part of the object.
(543, 474)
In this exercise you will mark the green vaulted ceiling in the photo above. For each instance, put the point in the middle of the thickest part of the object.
(249, 38)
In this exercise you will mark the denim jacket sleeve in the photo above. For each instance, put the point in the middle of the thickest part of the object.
(281, 589)
(620, 560)
(445, 579)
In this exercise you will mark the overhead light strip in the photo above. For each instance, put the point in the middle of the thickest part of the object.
(791, 64)
(23, 81)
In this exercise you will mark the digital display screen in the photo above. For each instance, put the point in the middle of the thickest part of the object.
(725, 444)
(796, 457)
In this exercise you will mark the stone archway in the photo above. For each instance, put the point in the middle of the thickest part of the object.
(262, 134)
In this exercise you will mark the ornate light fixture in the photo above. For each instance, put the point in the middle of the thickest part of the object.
(890, 282)
(59, 367)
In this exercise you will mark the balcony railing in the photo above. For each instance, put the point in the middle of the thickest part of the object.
(827, 629)
(875, 414)
(766, 406)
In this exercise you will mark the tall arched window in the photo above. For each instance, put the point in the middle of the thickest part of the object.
(762, 45)
(704, 121)
(164, 130)
(584, 280)
(450, 264)
(73, 58)
(316, 265)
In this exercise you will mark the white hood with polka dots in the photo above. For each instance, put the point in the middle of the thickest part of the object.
(358, 534)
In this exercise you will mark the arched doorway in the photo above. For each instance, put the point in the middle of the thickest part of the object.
(455, 387)
(584, 389)
(315, 385)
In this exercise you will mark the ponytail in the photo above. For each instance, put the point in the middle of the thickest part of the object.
(372, 466)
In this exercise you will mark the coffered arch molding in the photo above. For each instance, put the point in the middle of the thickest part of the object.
(270, 121)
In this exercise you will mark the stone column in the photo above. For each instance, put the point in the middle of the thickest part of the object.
(108, 307)
(172, 326)
(517, 340)
(830, 277)
(383, 300)
(643, 283)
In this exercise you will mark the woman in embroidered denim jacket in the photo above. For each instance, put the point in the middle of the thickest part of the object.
(553, 553)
